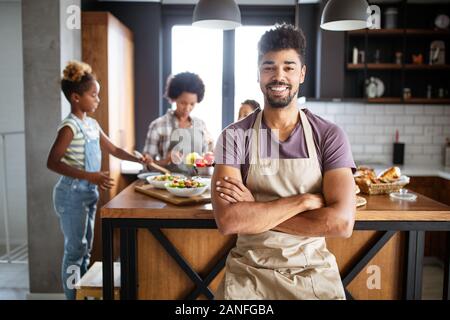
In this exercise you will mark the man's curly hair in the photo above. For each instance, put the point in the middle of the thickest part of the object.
(283, 36)
(185, 82)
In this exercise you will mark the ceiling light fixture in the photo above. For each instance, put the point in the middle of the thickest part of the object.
(217, 14)
(345, 15)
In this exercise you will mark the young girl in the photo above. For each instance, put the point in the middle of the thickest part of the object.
(76, 155)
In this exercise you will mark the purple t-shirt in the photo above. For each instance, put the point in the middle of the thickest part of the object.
(331, 142)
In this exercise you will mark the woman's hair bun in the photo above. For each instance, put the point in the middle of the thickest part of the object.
(75, 70)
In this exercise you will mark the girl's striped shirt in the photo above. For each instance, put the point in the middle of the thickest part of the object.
(74, 155)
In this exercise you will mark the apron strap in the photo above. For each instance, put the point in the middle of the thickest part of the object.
(255, 139)
(307, 130)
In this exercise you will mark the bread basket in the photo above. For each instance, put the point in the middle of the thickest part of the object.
(381, 188)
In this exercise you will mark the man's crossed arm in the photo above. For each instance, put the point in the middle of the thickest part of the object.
(330, 215)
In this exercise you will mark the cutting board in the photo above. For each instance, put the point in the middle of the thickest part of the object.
(166, 196)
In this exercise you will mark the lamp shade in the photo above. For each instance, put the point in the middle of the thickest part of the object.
(217, 14)
(345, 15)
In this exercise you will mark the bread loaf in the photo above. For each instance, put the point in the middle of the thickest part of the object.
(391, 174)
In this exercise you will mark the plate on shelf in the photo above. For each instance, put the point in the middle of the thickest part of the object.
(374, 87)
(380, 87)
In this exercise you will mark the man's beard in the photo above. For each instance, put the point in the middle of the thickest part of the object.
(278, 102)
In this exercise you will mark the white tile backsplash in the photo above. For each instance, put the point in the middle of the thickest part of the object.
(364, 119)
(382, 139)
(345, 119)
(432, 130)
(440, 139)
(413, 149)
(434, 110)
(391, 130)
(394, 109)
(422, 139)
(373, 148)
(441, 120)
(412, 109)
(355, 108)
(384, 120)
(403, 119)
(334, 108)
(421, 119)
(354, 129)
(374, 109)
(413, 130)
(371, 129)
(366, 139)
(431, 149)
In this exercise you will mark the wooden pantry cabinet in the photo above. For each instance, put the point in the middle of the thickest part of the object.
(107, 45)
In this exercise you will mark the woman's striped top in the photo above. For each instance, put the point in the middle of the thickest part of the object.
(74, 155)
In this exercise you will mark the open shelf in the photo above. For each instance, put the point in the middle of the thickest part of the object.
(427, 67)
(385, 100)
(428, 101)
(374, 66)
(410, 38)
(400, 32)
(395, 66)
(409, 101)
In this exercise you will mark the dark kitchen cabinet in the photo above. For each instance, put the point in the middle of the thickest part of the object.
(337, 77)
(437, 189)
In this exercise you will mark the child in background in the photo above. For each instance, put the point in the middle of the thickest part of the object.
(76, 156)
(247, 107)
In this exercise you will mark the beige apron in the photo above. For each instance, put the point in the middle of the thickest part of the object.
(277, 265)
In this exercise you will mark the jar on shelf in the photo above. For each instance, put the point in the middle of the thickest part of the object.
(398, 57)
(406, 93)
(390, 18)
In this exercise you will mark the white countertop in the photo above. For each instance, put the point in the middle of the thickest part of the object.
(128, 167)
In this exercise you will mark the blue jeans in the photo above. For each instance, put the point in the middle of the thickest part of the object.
(75, 203)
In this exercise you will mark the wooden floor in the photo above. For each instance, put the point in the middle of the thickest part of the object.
(14, 284)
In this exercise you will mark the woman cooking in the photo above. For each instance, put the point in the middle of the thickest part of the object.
(176, 134)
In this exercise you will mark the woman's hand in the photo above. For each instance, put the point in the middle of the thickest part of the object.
(146, 159)
(173, 156)
(102, 179)
(233, 190)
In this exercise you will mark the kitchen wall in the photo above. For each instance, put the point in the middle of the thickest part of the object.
(48, 42)
(12, 120)
(371, 129)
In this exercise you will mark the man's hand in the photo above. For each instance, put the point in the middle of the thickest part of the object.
(233, 190)
(313, 201)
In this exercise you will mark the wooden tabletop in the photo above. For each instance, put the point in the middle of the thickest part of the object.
(131, 204)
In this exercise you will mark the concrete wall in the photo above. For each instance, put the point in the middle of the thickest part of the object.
(12, 120)
(47, 44)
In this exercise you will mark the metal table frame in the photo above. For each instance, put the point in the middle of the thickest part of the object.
(128, 258)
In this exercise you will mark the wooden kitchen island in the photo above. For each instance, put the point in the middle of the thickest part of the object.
(176, 252)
